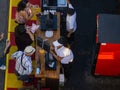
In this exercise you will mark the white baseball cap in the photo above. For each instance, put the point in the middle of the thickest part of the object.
(29, 50)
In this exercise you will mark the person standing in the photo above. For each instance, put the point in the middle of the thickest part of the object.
(63, 54)
(71, 24)
(23, 66)
(4, 48)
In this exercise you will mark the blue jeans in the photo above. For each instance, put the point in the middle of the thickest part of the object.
(2, 60)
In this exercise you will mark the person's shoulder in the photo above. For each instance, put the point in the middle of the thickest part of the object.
(66, 48)
(19, 52)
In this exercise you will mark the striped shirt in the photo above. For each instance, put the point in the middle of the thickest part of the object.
(24, 67)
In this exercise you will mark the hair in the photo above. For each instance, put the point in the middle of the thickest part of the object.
(21, 5)
(25, 1)
(63, 40)
(70, 11)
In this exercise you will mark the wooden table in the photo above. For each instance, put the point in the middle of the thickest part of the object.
(39, 56)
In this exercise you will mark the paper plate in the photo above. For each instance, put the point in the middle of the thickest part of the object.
(49, 33)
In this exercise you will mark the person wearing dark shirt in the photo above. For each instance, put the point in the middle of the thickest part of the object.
(23, 37)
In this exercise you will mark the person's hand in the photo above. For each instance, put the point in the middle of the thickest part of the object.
(27, 27)
(52, 52)
(8, 43)
(28, 31)
(35, 6)
(7, 47)
(68, 35)
(51, 47)
(1, 36)
(12, 57)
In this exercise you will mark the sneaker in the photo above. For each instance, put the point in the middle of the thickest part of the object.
(3, 67)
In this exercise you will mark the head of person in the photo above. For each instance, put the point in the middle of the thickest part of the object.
(27, 3)
(29, 50)
(68, 1)
(70, 11)
(62, 41)
(22, 5)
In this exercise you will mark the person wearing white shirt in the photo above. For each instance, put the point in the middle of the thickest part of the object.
(23, 66)
(71, 24)
(63, 54)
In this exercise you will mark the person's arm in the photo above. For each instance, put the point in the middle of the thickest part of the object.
(30, 34)
(72, 21)
(69, 33)
(1, 36)
(7, 47)
(56, 57)
(30, 69)
(7, 44)
(54, 54)
(14, 55)
(25, 14)
(31, 13)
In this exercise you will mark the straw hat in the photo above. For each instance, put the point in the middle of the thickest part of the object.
(29, 50)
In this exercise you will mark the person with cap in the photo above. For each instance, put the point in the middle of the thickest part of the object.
(71, 24)
(63, 54)
(23, 66)
(4, 49)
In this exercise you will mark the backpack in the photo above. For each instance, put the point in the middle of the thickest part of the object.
(20, 77)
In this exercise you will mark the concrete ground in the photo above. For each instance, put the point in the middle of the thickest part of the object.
(82, 77)
(4, 9)
(83, 48)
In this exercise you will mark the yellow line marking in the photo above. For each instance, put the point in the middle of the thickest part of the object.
(15, 83)
(6, 73)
